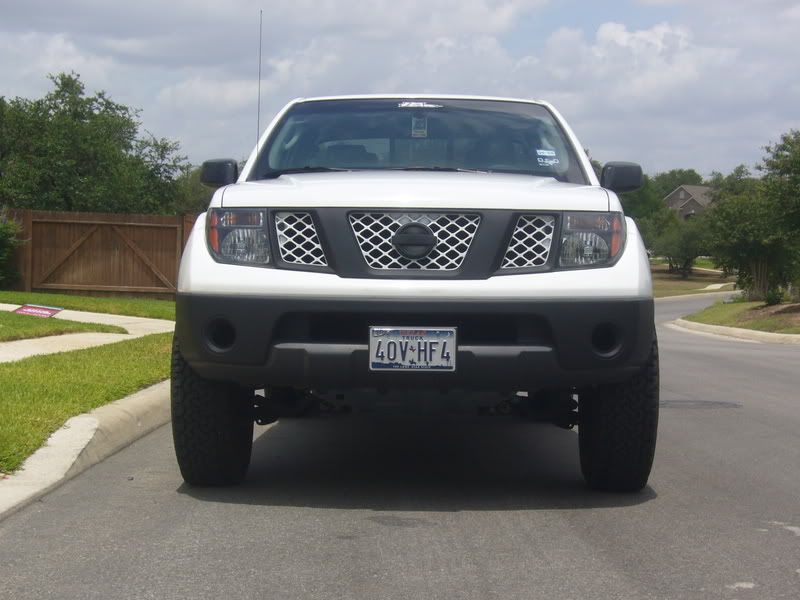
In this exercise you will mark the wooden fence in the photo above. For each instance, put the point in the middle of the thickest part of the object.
(100, 252)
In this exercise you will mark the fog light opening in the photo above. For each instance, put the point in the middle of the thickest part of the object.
(606, 340)
(220, 335)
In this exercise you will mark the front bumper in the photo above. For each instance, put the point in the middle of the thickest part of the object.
(503, 345)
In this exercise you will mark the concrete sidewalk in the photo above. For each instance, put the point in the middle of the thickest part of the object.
(135, 326)
(86, 439)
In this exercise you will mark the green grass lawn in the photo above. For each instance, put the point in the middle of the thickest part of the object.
(21, 327)
(751, 315)
(704, 262)
(668, 284)
(136, 307)
(40, 393)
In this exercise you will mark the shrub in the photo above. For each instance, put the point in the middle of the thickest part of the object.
(9, 240)
(773, 296)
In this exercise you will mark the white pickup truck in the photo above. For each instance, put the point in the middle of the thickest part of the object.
(421, 245)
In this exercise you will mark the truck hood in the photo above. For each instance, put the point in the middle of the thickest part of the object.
(414, 189)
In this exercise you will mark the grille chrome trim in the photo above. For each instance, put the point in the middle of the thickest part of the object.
(454, 233)
(298, 241)
(530, 243)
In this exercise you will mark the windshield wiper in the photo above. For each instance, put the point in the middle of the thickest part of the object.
(274, 174)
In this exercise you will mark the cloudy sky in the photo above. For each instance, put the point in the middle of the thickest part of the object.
(668, 83)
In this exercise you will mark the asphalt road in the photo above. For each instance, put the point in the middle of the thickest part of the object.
(461, 507)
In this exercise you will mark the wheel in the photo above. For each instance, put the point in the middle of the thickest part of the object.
(212, 426)
(617, 427)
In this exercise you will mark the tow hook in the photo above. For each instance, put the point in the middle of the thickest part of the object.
(263, 412)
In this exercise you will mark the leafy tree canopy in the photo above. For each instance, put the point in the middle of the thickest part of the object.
(753, 225)
(681, 242)
(78, 152)
(668, 181)
(781, 168)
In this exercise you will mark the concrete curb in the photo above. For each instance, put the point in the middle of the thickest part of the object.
(84, 441)
(739, 333)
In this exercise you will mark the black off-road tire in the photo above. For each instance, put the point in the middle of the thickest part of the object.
(212, 427)
(617, 427)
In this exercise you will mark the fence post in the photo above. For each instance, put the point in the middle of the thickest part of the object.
(27, 252)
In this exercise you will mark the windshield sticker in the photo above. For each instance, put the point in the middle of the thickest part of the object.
(418, 105)
(419, 127)
(541, 152)
(547, 162)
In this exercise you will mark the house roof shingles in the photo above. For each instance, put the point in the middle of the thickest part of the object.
(701, 193)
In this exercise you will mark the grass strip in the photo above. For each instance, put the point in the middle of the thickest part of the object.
(23, 327)
(116, 305)
(670, 284)
(40, 393)
(751, 315)
(704, 262)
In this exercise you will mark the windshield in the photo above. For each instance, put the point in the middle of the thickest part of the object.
(434, 134)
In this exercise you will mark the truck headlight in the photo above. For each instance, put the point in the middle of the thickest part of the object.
(591, 239)
(238, 236)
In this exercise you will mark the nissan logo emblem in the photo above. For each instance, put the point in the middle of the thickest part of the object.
(414, 241)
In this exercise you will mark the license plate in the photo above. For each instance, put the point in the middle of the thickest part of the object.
(412, 348)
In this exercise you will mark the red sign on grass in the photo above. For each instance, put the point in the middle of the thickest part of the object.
(38, 311)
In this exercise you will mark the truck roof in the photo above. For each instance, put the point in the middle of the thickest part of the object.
(419, 96)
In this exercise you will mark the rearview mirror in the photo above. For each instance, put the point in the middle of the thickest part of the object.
(621, 177)
(219, 172)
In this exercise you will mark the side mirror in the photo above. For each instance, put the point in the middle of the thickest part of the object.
(219, 172)
(621, 177)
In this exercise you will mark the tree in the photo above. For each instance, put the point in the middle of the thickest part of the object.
(646, 205)
(682, 242)
(669, 181)
(643, 202)
(753, 227)
(9, 240)
(740, 182)
(748, 236)
(72, 151)
(655, 224)
(781, 168)
(192, 196)
(750, 230)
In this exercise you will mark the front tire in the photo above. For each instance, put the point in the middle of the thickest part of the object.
(617, 427)
(212, 426)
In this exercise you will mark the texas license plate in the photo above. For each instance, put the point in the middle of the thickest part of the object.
(412, 348)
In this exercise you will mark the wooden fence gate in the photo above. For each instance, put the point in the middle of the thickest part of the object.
(100, 252)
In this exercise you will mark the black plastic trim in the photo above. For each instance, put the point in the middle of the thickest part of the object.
(556, 351)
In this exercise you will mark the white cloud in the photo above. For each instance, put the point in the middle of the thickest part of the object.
(705, 89)
(29, 57)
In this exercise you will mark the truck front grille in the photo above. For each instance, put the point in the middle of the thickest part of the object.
(530, 243)
(454, 233)
(298, 241)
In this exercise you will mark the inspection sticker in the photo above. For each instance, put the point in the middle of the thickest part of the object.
(419, 127)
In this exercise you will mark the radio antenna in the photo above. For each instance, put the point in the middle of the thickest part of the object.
(258, 110)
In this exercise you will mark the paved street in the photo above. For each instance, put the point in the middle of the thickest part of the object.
(461, 507)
